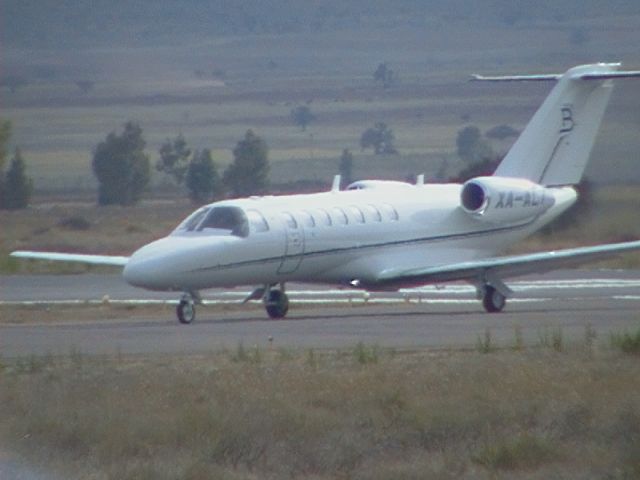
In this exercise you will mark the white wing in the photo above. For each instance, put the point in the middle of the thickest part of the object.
(73, 257)
(502, 267)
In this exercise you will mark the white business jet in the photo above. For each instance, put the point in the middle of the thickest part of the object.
(384, 235)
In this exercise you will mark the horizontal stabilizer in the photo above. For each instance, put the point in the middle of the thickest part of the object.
(516, 78)
(609, 75)
(508, 266)
(73, 257)
(578, 75)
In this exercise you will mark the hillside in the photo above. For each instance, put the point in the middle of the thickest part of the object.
(212, 70)
(63, 24)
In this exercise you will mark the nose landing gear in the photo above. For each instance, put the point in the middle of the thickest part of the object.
(186, 309)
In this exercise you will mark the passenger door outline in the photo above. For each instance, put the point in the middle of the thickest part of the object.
(294, 244)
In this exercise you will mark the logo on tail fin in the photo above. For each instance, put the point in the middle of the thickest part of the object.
(567, 119)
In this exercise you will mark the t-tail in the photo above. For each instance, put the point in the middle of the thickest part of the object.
(554, 148)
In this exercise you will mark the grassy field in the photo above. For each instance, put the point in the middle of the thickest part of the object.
(519, 411)
(548, 410)
(57, 127)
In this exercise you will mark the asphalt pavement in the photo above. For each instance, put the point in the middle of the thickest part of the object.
(573, 302)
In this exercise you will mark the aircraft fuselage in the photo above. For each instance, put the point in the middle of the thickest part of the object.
(339, 237)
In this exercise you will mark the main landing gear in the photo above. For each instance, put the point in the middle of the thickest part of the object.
(275, 300)
(492, 300)
(493, 293)
(276, 303)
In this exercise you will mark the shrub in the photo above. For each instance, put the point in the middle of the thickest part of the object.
(75, 222)
(626, 342)
(364, 355)
(485, 344)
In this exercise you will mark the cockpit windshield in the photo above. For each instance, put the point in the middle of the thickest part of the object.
(192, 221)
(229, 219)
(217, 221)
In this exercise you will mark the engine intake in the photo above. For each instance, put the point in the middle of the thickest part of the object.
(500, 199)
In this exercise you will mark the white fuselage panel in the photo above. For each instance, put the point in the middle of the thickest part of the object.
(333, 237)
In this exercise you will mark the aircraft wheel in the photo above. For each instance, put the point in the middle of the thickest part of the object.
(492, 300)
(277, 304)
(186, 311)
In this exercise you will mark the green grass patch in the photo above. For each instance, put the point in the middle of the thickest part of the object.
(245, 413)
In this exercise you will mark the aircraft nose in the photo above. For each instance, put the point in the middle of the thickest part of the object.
(134, 274)
(149, 266)
(169, 263)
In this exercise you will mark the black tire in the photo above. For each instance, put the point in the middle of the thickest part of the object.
(493, 301)
(186, 312)
(277, 304)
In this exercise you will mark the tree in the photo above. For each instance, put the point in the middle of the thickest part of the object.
(13, 82)
(380, 138)
(18, 187)
(202, 178)
(502, 132)
(249, 172)
(122, 167)
(5, 135)
(346, 166)
(384, 75)
(483, 168)
(302, 116)
(174, 158)
(472, 148)
(85, 86)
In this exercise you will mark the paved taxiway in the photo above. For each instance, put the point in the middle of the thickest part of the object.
(604, 301)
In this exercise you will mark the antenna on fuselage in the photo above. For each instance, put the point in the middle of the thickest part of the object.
(420, 180)
(336, 183)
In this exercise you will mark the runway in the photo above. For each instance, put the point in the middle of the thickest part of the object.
(572, 302)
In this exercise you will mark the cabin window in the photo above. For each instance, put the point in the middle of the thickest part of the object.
(307, 219)
(357, 214)
(289, 221)
(257, 222)
(373, 213)
(339, 216)
(192, 221)
(323, 217)
(390, 212)
(226, 220)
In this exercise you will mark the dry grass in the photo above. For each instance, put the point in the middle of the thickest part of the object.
(84, 228)
(365, 413)
(52, 313)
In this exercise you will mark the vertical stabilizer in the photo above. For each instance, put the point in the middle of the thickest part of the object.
(554, 147)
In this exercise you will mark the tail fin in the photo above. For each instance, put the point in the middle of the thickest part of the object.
(554, 147)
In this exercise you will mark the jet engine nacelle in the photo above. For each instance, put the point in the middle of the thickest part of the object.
(500, 199)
